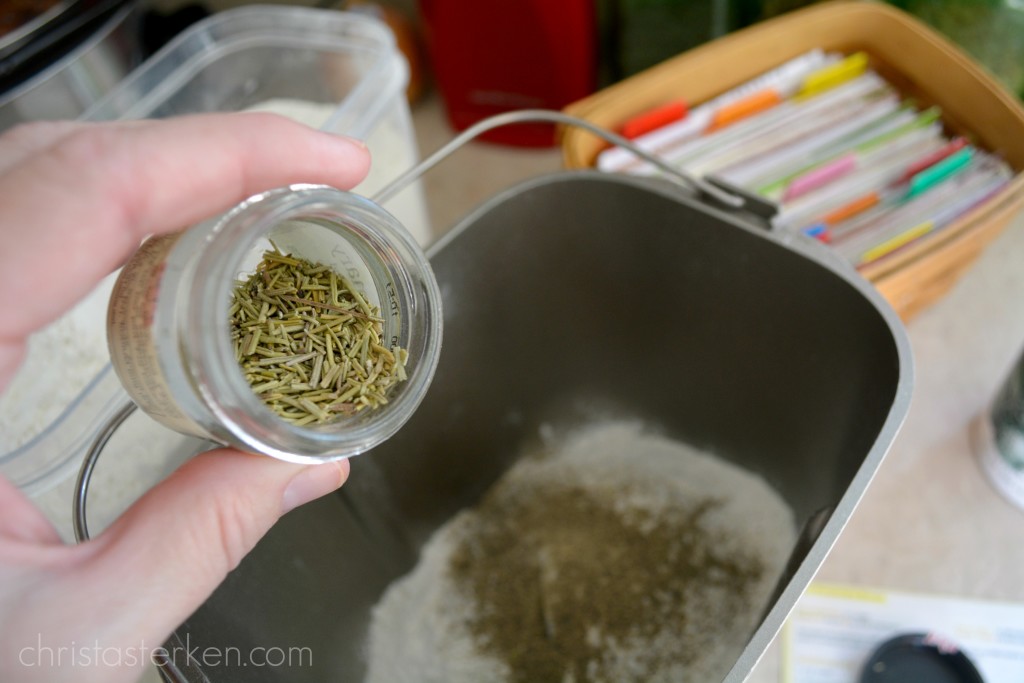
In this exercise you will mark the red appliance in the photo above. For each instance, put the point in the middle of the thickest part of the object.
(492, 56)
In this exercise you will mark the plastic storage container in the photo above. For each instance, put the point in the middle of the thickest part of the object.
(338, 71)
(916, 59)
(334, 70)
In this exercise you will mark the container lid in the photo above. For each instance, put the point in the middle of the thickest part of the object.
(348, 64)
(919, 657)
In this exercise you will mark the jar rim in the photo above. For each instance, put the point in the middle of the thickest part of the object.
(214, 370)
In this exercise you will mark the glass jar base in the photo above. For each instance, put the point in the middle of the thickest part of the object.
(1006, 479)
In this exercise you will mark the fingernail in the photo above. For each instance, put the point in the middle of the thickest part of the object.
(346, 140)
(313, 482)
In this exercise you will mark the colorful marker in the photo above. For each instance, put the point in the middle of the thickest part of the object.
(698, 119)
(819, 176)
(654, 119)
(831, 76)
(925, 118)
(745, 108)
(954, 145)
(897, 191)
(932, 176)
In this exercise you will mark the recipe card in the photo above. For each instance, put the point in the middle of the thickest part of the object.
(834, 629)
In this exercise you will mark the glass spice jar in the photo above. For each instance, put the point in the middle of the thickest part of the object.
(168, 325)
(999, 437)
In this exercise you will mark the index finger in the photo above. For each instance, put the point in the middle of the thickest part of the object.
(76, 210)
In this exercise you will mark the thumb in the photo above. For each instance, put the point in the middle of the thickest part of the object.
(170, 550)
(21, 521)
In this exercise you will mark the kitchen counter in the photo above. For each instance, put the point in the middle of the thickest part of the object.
(930, 522)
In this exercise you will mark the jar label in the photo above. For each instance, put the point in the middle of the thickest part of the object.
(321, 246)
(133, 352)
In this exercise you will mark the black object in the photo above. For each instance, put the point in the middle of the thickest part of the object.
(53, 39)
(158, 28)
(919, 658)
(73, 22)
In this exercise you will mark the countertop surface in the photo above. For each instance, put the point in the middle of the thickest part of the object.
(930, 521)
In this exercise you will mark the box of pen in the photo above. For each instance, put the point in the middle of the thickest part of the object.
(868, 130)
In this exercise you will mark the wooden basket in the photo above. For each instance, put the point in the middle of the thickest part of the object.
(918, 61)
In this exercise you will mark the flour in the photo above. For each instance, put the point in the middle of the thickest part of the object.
(61, 361)
(426, 628)
(392, 151)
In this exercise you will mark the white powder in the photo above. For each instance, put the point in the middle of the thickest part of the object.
(392, 150)
(62, 359)
(312, 114)
(420, 630)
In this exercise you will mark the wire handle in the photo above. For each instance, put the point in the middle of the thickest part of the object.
(92, 456)
(547, 115)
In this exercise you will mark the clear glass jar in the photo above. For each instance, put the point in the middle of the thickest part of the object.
(999, 437)
(169, 332)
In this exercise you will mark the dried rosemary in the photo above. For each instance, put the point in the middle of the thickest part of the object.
(309, 343)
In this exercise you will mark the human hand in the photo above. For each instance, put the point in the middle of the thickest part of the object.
(83, 196)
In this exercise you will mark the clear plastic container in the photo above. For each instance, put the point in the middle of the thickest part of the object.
(338, 71)
(334, 70)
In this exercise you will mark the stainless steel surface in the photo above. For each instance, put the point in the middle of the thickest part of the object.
(568, 298)
(74, 82)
